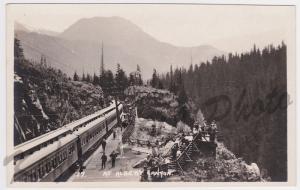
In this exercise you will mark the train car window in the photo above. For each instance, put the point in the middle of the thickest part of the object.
(29, 177)
(40, 172)
(49, 167)
(24, 177)
(56, 160)
(53, 163)
(33, 176)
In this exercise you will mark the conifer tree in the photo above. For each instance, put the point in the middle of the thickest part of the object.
(75, 76)
(83, 77)
(95, 79)
(154, 81)
(121, 78)
(88, 77)
(18, 50)
(139, 79)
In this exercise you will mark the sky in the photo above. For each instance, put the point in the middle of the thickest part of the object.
(230, 28)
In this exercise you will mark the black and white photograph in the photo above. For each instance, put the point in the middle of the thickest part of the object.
(144, 93)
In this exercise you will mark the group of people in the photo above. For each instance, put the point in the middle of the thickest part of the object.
(155, 164)
(204, 127)
(113, 157)
(206, 130)
(114, 154)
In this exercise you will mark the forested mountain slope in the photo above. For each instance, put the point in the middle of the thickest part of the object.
(247, 95)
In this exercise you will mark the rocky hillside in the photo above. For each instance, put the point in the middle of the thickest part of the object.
(226, 167)
(157, 104)
(46, 99)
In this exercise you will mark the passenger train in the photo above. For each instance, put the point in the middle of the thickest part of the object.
(47, 157)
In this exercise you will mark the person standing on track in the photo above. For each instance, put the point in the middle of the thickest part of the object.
(103, 145)
(104, 159)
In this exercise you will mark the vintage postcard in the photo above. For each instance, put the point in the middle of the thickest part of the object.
(115, 95)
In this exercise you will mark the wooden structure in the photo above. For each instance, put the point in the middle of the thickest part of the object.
(201, 142)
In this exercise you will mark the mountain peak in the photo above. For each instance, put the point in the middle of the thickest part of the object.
(124, 43)
(21, 27)
(95, 28)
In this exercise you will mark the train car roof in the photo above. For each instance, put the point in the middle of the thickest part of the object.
(89, 126)
(93, 123)
(43, 152)
(83, 120)
(39, 140)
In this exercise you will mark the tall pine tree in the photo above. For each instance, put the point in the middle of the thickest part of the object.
(121, 79)
(75, 76)
(155, 80)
